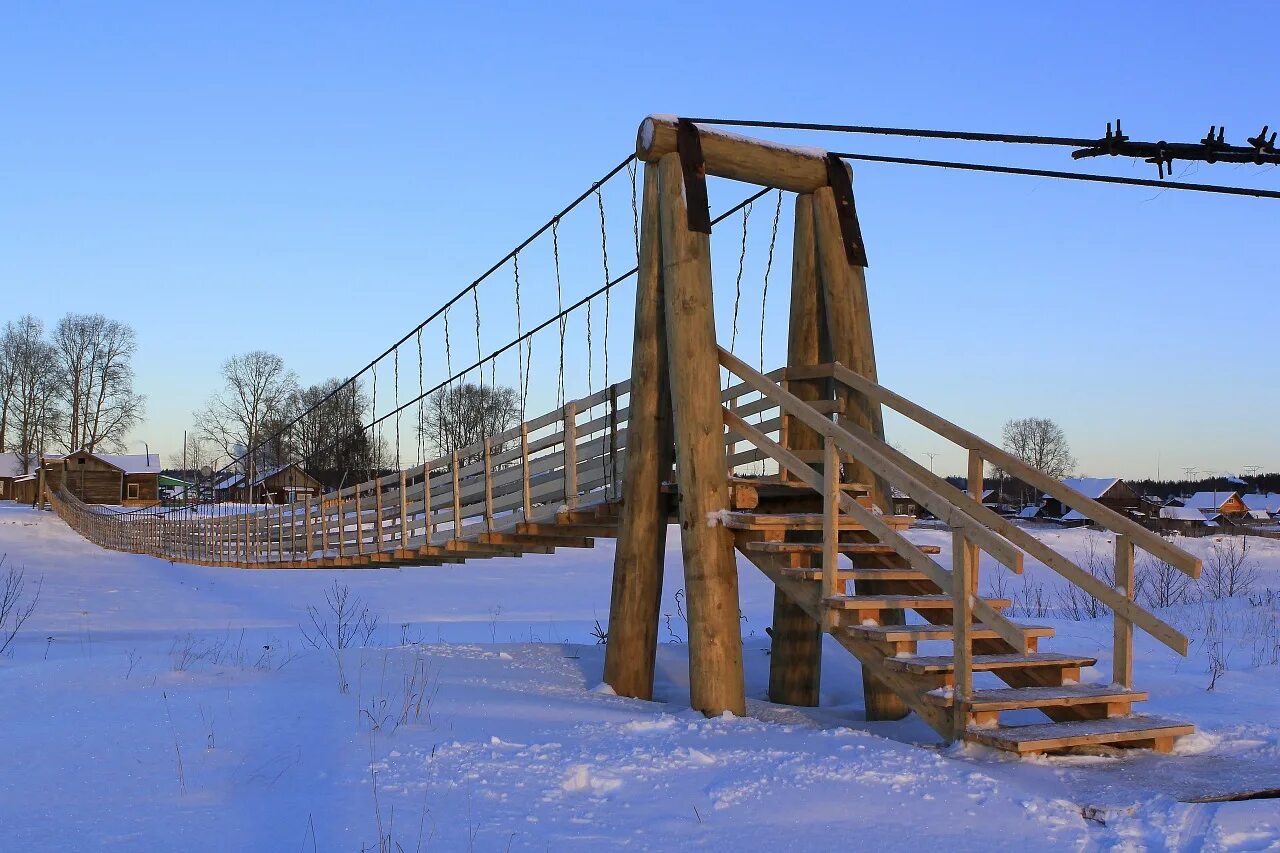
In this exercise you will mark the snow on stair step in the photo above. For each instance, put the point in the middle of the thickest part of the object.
(903, 602)
(1135, 729)
(922, 664)
(1013, 698)
(903, 633)
(799, 521)
(844, 548)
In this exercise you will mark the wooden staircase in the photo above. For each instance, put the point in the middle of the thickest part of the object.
(880, 596)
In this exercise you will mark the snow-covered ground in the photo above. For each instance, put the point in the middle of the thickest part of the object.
(153, 706)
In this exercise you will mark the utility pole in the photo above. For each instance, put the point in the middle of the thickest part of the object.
(930, 455)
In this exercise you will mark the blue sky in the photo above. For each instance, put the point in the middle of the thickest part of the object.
(314, 179)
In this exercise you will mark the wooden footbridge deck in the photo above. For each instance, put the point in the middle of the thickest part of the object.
(670, 445)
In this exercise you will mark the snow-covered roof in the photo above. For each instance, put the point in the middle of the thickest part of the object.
(1209, 500)
(1259, 515)
(1181, 513)
(1264, 502)
(986, 493)
(1029, 512)
(1075, 515)
(1091, 487)
(133, 463)
(235, 479)
(11, 465)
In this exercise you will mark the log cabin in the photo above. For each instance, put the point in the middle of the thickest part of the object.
(280, 485)
(11, 467)
(1222, 501)
(107, 478)
(1112, 492)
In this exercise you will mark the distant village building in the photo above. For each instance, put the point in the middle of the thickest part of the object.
(1226, 503)
(282, 485)
(11, 468)
(1187, 520)
(25, 488)
(107, 478)
(1112, 492)
(1264, 503)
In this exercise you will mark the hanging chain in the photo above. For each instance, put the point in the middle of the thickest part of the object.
(604, 253)
(632, 169)
(764, 296)
(396, 364)
(520, 376)
(448, 350)
(737, 287)
(475, 303)
(422, 431)
(555, 248)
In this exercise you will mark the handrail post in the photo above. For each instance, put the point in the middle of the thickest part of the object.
(404, 512)
(457, 497)
(975, 472)
(570, 455)
(830, 528)
(378, 531)
(307, 534)
(488, 485)
(962, 576)
(526, 490)
(1122, 646)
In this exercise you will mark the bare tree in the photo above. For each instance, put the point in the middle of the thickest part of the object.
(95, 355)
(9, 346)
(257, 391)
(329, 434)
(14, 609)
(1040, 443)
(1164, 584)
(465, 414)
(33, 407)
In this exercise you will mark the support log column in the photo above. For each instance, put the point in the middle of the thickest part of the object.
(711, 578)
(795, 660)
(848, 324)
(635, 605)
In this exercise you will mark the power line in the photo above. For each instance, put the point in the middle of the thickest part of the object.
(1067, 176)
(1015, 138)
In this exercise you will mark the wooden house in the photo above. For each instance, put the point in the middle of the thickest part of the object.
(1112, 492)
(11, 468)
(281, 485)
(1221, 502)
(1188, 521)
(24, 489)
(107, 478)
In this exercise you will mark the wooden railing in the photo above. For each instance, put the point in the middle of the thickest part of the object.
(974, 526)
(569, 457)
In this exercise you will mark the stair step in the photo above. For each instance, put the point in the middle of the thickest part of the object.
(924, 664)
(904, 633)
(1139, 729)
(800, 521)
(845, 548)
(903, 602)
(773, 484)
(858, 574)
(1015, 698)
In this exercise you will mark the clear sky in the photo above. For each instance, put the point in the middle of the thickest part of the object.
(313, 179)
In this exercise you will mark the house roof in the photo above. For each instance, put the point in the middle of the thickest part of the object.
(1181, 513)
(235, 479)
(129, 463)
(1091, 487)
(1259, 515)
(1209, 500)
(1264, 502)
(1029, 512)
(1075, 515)
(11, 465)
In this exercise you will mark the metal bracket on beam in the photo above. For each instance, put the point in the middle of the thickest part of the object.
(689, 146)
(850, 231)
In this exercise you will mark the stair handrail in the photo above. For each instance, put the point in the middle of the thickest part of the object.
(1100, 513)
(1120, 602)
(914, 557)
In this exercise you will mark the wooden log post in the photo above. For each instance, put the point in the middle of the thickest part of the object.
(1122, 649)
(711, 576)
(795, 657)
(962, 588)
(848, 326)
(636, 600)
(728, 155)
(571, 455)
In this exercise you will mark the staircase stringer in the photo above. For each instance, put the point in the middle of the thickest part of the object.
(808, 597)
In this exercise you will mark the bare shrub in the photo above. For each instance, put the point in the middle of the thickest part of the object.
(1229, 571)
(348, 619)
(1162, 583)
(1032, 601)
(1075, 602)
(15, 607)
